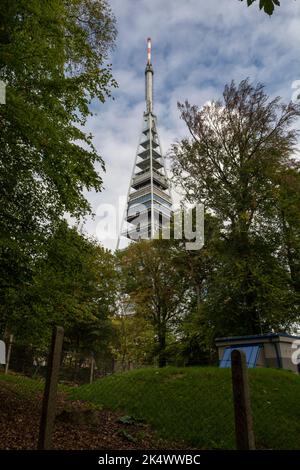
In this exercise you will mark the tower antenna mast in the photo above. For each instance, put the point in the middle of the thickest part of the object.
(149, 202)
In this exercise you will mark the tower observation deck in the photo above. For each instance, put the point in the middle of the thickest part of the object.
(149, 203)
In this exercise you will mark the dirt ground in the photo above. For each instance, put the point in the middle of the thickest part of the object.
(20, 417)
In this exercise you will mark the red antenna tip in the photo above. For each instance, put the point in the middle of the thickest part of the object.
(149, 50)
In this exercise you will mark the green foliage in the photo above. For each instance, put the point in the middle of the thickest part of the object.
(266, 5)
(196, 340)
(54, 60)
(25, 386)
(22, 384)
(194, 405)
(239, 163)
(288, 207)
(154, 286)
(250, 295)
(126, 435)
(194, 334)
(134, 340)
(73, 286)
(126, 420)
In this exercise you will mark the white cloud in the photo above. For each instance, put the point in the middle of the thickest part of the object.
(198, 46)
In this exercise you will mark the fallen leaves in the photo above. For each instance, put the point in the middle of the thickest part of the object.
(20, 417)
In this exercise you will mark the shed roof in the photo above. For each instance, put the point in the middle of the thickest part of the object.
(251, 337)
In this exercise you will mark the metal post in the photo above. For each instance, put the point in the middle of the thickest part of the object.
(49, 400)
(241, 397)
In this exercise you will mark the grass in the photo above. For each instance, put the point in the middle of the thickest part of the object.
(194, 404)
(25, 385)
(22, 384)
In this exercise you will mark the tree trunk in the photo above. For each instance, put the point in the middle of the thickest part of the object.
(92, 369)
(251, 318)
(162, 362)
(291, 259)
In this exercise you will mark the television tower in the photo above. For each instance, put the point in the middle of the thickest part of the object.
(149, 204)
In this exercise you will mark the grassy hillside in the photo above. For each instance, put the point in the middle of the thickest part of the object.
(22, 384)
(25, 385)
(195, 404)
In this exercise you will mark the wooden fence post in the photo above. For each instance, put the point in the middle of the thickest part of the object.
(49, 399)
(241, 398)
(92, 368)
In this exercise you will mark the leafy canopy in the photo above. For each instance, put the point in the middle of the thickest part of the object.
(239, 161)
(266, 5)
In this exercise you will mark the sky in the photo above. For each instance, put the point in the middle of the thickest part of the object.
(197, 47)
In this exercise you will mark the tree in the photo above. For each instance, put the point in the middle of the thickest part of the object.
(266, 5)
(237, 149)
(156, 289)
(134, 341)
(195, 332)
(53, 59)
(288, 207)
(73, 286)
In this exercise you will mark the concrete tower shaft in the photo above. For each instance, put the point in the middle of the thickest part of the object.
(149, 203)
